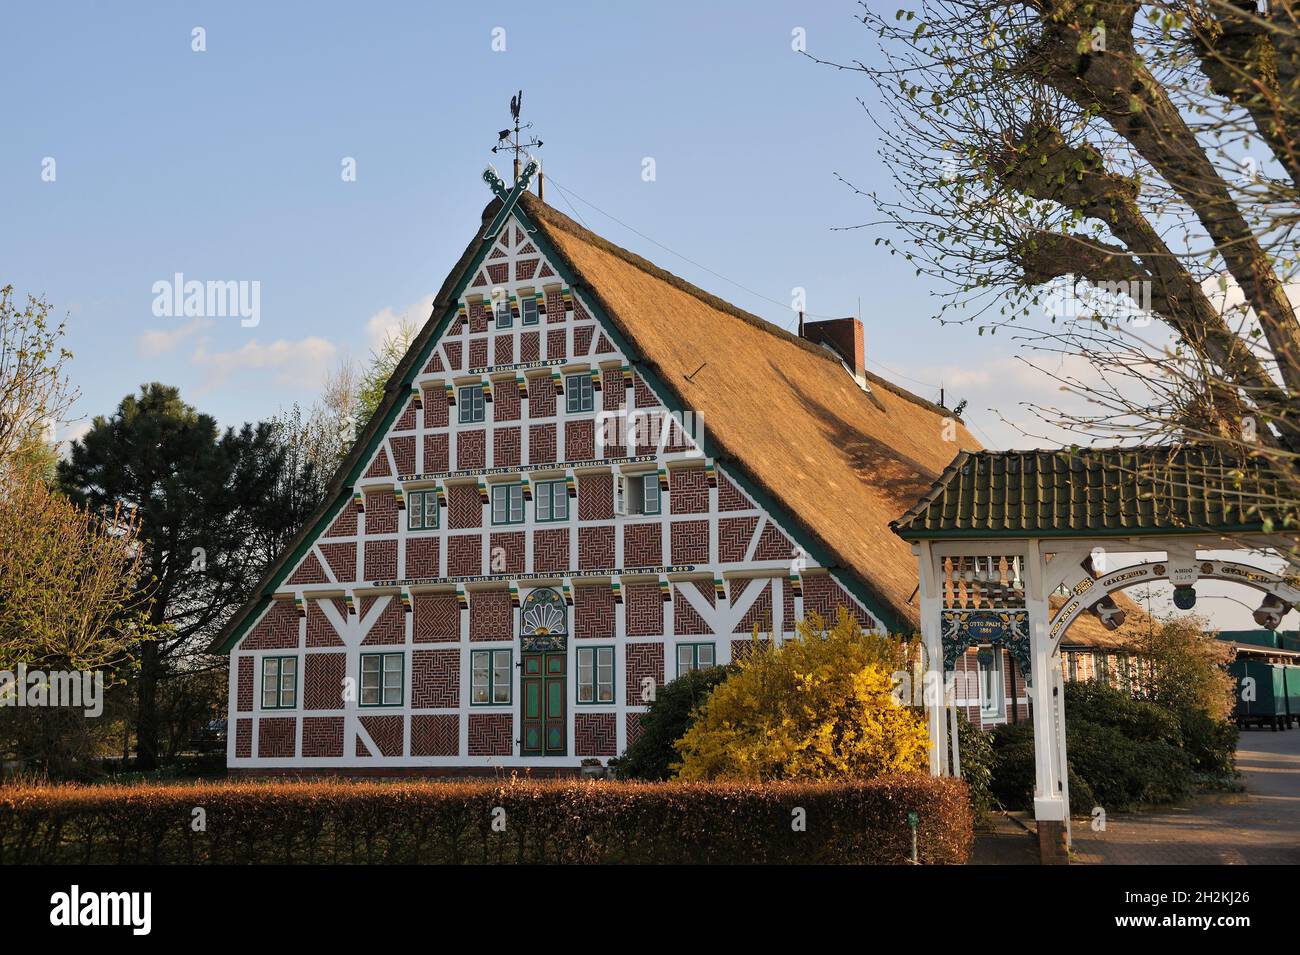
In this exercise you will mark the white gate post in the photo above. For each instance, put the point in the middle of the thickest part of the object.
(932, 675)
(1049, 788)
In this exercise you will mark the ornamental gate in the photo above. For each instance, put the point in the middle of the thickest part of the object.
(1013, 547)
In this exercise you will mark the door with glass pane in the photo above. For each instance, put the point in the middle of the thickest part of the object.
(542, 708)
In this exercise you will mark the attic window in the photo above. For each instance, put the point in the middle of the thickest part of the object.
(501, 309)
(529, 306)
(637, 493)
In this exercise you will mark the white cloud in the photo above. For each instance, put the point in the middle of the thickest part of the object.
(299, 362)
(387, 321)
(161, 341)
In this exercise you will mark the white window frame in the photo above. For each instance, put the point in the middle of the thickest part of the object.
(579, 385)
(498, 677)
(280, 691)
(471, 408)
(992, 676)
(695, 663)
(596, 675)
(550, 498)
(383, 685)
(506, 496)
(527, 301)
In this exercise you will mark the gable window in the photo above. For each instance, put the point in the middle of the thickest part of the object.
(595, 674)
(694, 656)
(993, 699)
(422, 510)
(501, 308)
(279, 683)
(381, 679)
(578, 393)
(552, 499)
(637, 493)
(528, 307)
(469, 401)
(507, 503)
(490, 677)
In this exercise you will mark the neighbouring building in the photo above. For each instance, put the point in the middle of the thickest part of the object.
(586, 477)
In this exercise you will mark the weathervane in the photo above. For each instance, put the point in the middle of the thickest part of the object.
(508, 139)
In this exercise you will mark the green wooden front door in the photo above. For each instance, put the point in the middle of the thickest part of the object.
(542, 707)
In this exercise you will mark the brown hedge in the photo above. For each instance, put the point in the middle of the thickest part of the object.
(433, 822)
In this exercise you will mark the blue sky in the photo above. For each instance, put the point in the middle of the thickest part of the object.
(225, 165)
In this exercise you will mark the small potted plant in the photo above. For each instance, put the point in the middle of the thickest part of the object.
(592, 769)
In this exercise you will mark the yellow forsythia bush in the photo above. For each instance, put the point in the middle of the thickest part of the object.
(819, 706)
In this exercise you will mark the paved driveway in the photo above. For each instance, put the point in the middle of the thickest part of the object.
(1260, 827)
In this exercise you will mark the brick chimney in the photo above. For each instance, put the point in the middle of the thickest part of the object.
(844, 337)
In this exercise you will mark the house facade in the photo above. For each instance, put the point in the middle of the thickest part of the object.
(587, 477)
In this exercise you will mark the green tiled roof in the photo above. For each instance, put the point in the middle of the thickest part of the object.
(1092, 491)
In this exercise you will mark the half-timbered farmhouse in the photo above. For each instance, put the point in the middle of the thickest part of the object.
(587, 477)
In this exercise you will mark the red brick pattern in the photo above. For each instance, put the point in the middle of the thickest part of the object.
(643, 545)
(422, 556)
(277, 737)
(686, 619)
(435, 679)
(525, 269)
(730, 497)
(436, 409)
(503, 349)
(381, 560)
(437, 458)
(759, 612)
(490, 615)
(611, 383)
(555, 311)
(595, 497)
(386, 733)
(690, 491)
(471, 449)
(541, 444)
(580, 440)
(596, 547)
(478, 316)
(581, 340)
(320, 630)
(773, 545)
(603, 346)
(506, 552)
(322, 684)
(403, 450)
(541, 397)
(742, 650)
(342, 559)
(594, 734)
(556, 339)
(593, 610)
(530, 349)
(453, 351)
(436, 734)
(633, 727)
(244, 695)
(690, 542)
(734, 535)
(478, 352)
(309, 571)
(464, 506)
(499, 273)
(437, 618)
(505, 401)
(322, 736)
(389, 627)
(407, 421)
(506, 446)
(644, 660)
(378, 468)
(644, 610)
(345, 525)
(277, 630)
(381, 512)
(550, 550)
(491, 734)
(645, 398)
(465, 555)
(243, 739)
(822, 594)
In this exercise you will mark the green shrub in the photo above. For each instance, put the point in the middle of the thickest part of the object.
(521, 821)
(975, 750)
(1210, 744)
(671, 713)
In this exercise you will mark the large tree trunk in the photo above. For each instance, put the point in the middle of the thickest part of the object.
(146, 722)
